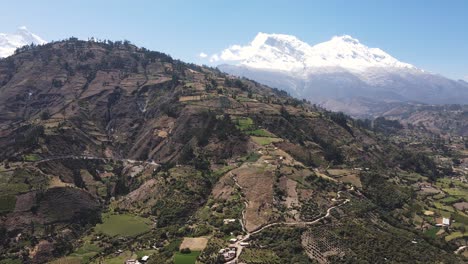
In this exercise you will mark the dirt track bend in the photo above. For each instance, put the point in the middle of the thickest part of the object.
(300, 223)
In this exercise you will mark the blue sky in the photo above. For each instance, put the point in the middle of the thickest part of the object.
(430, 34)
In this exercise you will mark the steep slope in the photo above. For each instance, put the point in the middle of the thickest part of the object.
(109, 150)
(337, 71)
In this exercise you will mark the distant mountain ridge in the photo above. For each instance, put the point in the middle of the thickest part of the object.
(334, 72)
(10, 42)
(287, 53)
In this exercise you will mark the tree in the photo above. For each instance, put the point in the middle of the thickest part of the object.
(185, 251)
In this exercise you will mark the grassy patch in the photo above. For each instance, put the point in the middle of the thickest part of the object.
(460, 217)
(253, 157)
(439, 196)
(85, 252)
(431, 232)
(259, 256)
(449, 200)
(190, 258)
(67, 260)
(244, 123)
(143, 253)
(265, 140)
(353, 179)
(31, 157)
(413, 177)
(10, 261)
(260, 133)
(440, 206)
(7, 203)
(123, 225)
(456, 192)
(455, 235)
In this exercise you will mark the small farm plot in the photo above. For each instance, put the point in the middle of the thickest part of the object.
(194, 243)
(126, 225)
(186, 258)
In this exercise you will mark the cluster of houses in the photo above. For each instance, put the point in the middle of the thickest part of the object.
(228, 254)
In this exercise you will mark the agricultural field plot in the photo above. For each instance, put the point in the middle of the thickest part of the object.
(247, 125)
(194, 243)
(66, 260)
(259, 256)
(7, 203)
(188, 258)
(346, 175)
(456, 235)
(31, 157)
(83, 254)
(123, 225)
(319, 244)
(339, 172)
(190, 98)
(263, 141)
(243, 123)
(257, 185)
(353, 179)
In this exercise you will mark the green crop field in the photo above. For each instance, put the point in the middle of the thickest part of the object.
(455, 235)
(85, 252)
(190, 258)
(260, 133)
(244, 123)
(265, 140)
(123, 225)
(31, 157)
(450, 200)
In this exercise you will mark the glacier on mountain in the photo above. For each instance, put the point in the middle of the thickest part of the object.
(9, 42)
(337, 70)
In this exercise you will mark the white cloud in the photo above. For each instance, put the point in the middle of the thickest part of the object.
(214, 58)
(465, 78)
(10, 41)
(202, 55)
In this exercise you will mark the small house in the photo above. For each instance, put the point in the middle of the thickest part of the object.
(229, 220)
(443, 221)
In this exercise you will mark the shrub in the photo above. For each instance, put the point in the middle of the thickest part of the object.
(185, 251)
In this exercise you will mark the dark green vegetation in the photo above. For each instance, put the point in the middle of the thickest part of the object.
(111, 152)
(186, 258)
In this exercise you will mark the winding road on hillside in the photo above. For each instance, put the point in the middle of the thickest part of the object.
(299, 223)
(85, 158)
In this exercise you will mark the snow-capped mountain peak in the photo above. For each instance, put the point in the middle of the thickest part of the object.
(10, 42)
(348, 52)
(281, 52)
(340, 69)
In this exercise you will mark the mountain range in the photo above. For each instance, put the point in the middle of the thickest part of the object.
(111, 152)
(341, 74)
